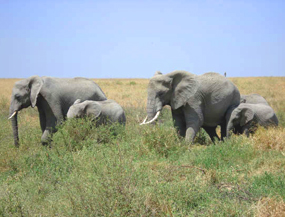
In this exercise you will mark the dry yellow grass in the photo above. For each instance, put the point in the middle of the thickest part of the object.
(270, 207)
(271, 88)
(127, 92)
(132, 92)
(271, 138)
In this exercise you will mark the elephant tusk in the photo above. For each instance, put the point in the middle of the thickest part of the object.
(155, 117)
(15, 112)
(143, 121)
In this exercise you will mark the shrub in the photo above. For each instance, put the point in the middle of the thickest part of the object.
(132, 83)
(202, 138)
(163, 140)
(74, 134)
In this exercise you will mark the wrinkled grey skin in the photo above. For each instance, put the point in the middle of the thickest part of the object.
(53, 97)
(196, 101)
(246, 116)
(104, 112)
(253, 99)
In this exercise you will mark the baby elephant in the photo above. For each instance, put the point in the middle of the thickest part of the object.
(253, 98)
(104, 112)
(245, 117)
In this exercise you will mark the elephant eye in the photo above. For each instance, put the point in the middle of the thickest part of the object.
(160, 94)
(17, 97)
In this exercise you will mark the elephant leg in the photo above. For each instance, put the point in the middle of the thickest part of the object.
(249, 128)
(212, 133)
(50, 128)
(192, 128)
(179, 122)
(191, 132)
(46, 137)
(42, 117)
(223, 130)
(246, 131)
(194, 121)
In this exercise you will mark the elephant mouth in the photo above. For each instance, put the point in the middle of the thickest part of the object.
(12, 115)
(152, 120)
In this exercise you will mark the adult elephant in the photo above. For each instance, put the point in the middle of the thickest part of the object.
(53, 97)
(196, 101)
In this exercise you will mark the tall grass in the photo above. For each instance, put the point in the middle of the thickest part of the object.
(141, 170)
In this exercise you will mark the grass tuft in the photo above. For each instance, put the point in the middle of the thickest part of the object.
(271, 138)
(273, 207)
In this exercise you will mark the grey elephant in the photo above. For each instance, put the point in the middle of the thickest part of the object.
(53, 97)
(253, 99)
(196, 101)
(104, 112)
(246, 116)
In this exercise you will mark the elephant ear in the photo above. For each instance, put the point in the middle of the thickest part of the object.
(246, 116)
(93, 110)
(35, 85)
(184, 85)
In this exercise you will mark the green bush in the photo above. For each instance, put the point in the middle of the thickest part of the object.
(163, 140)
(74, 134)
(132, 83)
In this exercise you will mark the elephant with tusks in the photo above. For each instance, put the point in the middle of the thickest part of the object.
(196, 101)
(53, 97)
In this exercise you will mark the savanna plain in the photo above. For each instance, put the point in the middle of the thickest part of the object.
(142, 170)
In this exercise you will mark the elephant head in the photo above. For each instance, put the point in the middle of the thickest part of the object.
(239, 117)
(81, 109)
(173, 89)
(24, 94)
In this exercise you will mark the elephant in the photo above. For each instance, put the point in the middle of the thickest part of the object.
(253, 99)
(53, 97)
(245, 117)
(104, 112)
(196, 101)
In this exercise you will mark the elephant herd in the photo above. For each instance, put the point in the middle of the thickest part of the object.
(205, 101)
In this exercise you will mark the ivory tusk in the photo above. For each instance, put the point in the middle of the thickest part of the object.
(15, 112)
(155, 117)
(143, 121)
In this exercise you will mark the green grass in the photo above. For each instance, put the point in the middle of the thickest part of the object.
(132, 171)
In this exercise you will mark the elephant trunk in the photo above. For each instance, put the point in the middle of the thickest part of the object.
(14, 120)
(152, 112)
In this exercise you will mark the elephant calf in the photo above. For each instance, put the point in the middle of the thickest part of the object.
(104, 112)
(253, 99)
(245, 117)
